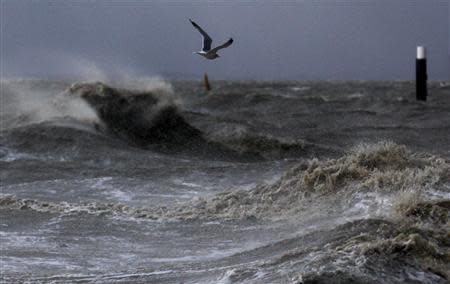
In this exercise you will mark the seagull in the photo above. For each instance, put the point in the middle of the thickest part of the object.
(206, 51)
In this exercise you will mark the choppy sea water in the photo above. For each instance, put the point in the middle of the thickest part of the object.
(148, 181)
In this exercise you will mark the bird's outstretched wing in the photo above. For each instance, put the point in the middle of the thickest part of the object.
(206, 39)
(227, 44)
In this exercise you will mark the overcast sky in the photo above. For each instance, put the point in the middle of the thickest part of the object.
(295, 40)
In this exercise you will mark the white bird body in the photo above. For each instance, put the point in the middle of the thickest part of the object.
(207, 55)
(208, 52)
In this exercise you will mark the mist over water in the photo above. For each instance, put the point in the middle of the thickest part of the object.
(145, 180)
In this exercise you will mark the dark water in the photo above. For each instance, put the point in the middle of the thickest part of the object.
(256, 182)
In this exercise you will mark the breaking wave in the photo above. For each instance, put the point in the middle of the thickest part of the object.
(142, 117)
(384, 167)
(146, 115)
(141, 112)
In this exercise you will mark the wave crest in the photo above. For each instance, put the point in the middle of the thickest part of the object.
(361, 170)
(384, 166)
(142, 117)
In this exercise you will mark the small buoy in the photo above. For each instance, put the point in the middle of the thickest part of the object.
(206, 83)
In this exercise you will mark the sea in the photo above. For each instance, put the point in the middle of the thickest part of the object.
(148, 180)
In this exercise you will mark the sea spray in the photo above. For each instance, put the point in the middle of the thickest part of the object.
(24, 104)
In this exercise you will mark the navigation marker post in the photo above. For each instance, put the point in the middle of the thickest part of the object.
(421, 74)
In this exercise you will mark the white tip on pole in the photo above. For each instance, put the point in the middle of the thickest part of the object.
(421, 52)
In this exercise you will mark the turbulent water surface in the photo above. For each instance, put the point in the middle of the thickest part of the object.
(255, 182)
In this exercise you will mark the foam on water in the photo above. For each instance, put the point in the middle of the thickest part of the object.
(383, 168)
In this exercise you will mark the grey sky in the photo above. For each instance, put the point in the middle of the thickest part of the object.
(332, 40)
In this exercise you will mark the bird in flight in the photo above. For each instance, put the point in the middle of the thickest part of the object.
(207, 51)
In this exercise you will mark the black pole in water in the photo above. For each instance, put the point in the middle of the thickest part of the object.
(421, 74)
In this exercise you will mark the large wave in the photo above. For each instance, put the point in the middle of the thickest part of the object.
(146, 114)
(142, 117)
(382, 167)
